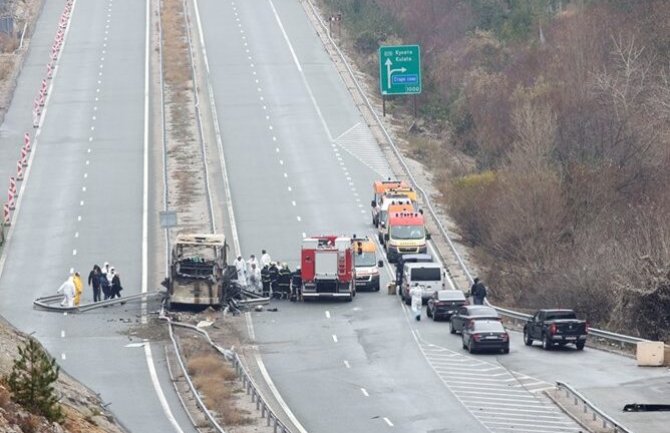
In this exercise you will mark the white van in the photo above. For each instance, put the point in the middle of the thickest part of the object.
(430, 276)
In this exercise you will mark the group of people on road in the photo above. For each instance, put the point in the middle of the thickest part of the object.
(71, 289)
(267, 277)
(105, 282)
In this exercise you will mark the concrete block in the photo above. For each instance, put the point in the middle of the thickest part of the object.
(650, 353)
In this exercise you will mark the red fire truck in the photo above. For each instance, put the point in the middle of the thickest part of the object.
(327, 268)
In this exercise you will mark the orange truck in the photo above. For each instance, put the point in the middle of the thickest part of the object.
(383, 191)
(406, 234)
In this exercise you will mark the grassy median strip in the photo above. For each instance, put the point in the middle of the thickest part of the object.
(216, 380)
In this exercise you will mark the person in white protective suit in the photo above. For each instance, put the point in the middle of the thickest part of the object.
(67, 288)
(252, 261)
(417, 301)
(265, 259)
(241, 268)
(255, 278)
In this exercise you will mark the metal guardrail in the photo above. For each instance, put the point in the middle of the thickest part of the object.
(587, 407)
(49, 302)
(619, 338)
(249, 385)
(201, 404)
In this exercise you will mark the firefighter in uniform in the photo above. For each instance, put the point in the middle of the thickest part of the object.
(265, 279)
(296, 285)
(274, 279)
(284, 281)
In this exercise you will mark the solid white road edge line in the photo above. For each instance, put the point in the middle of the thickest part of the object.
(145, 225)
(26, 175)
(217, 131)
(273, 388)
(302, 73)
(159, 391)
(275, 392)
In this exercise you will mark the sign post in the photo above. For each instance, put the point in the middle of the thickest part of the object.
(399, 71)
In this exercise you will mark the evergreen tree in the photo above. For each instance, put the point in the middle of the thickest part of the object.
(31, 380)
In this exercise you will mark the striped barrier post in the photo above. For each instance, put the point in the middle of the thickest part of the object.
(24, 157)
(12, 184)
(19, 170)
(10, 199)
(6, 217)
(43, 89)
(26, 141)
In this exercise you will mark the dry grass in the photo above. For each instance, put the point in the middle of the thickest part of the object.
(6, 68)
(8, 44)
(216, 381)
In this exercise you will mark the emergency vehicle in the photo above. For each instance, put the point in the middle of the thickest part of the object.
(394, 207)
(366, 266)
(406, 235)
(382, 188)
(327, 268)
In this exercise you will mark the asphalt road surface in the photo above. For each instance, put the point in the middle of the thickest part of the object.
(83, 204)
(301, 162)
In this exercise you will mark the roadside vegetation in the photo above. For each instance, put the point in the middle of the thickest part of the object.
(546, 123)
(216, 381)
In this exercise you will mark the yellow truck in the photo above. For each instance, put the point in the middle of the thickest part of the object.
(406, 234)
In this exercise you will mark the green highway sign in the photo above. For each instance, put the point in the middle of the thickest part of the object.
(400, 70)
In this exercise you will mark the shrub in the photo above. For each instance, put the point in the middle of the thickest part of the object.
(31, 380)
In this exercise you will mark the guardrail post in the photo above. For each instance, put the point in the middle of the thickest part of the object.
(586, 408)
(274, 428)
(258, 401)
(269, 417)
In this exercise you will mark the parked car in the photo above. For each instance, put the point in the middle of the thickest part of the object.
(444, 303)
(485, 335)
(471, 312)
(555, 327)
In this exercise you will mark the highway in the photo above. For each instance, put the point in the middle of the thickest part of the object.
(83, 204)
(301, 161)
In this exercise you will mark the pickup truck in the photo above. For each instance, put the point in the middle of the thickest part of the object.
(555, 327)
